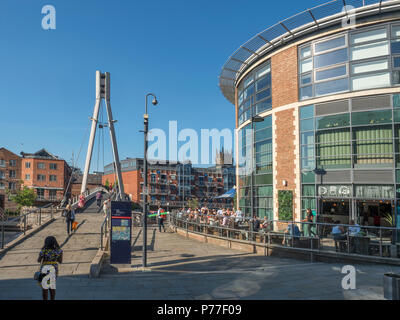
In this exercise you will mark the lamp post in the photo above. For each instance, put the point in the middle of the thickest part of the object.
(145, 188)
(253, 119)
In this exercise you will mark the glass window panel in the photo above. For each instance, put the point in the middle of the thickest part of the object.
(370, 66)
(396, 101)
(330, 73)
(395, 46)
(370, 50)
(330, 44)
(306, 79)
(264, 106)
(305, 52)
(306, 125)
(263, 71)
(263, 179)
(371, 35)
(262, 83)
(308, 163)
(241, 119)
(396, 115)
(241, 98)
(371, 117)
(307, 151)
(264, 146)
(263, 158)
(331, 86)
(308, 177)
(249, 91)
(330, 58)
(395, 31)
(396, 62)
(263, 134)
(265, 191)
(396, 77)
(306, 92)
(263, 94)
(308, 190)
(307, 137)
(306, 65)
(370, 81)
(378, 192)
(249, 80)
(263, 124)
(306, 112)
(308, 203)
(337, 120)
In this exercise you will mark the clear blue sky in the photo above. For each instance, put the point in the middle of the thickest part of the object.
(173, 48)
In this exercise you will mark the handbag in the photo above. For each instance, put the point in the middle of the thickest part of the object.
(38, 275)
(74, 225)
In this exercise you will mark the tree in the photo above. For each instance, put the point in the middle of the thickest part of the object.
(193, 203)
(107, 184)
(24, 197)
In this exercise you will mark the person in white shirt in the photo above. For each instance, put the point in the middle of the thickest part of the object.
(219, 212)
(239, 215)
(355, 229)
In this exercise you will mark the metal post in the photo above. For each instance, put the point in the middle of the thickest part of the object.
(40, 216)
(92, 131)
(380, 242)
(51, 212)
(145, 191)
(24, 224)
(3, 218)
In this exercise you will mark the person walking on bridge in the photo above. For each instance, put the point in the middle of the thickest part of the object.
(69, 218)
(99, 197)
(160, 217)
(51, 254)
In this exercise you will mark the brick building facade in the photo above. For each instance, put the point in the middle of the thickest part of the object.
(10, 177)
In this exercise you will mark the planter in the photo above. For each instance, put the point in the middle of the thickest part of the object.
(391, 286)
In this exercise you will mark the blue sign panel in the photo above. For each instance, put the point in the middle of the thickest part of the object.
(121, 232)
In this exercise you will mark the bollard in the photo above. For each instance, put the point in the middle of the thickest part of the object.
(40, 216)
(24, 224)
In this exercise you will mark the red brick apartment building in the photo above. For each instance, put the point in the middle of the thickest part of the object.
(10, 177)
(46, 173)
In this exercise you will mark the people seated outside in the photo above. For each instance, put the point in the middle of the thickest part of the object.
(239, 216)
(256, 224)
(292, 231)
(354, 229)
(339, 234)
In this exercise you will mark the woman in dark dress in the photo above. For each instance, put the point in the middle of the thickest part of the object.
(51, 254)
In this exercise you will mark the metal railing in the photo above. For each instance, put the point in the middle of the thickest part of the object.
(311, 237)
(27, 220)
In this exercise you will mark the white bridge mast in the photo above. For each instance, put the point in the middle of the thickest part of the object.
(103, 92)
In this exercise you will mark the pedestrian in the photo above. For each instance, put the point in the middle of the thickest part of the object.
(99, 197)
(69, 218)
(51, 254)
(309, 219)
(105, 206)
(160, 219)
(81, 202)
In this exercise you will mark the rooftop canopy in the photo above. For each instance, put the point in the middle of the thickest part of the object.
(310, 20)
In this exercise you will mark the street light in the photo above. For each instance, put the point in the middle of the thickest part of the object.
(145, 190)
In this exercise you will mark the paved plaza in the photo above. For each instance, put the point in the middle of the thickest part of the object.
(179, 268)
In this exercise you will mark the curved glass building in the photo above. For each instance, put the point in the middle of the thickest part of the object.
(317, 102)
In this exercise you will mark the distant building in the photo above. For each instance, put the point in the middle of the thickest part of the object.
(10, 177)
(94, 180)
(173, 184)
(46, 173)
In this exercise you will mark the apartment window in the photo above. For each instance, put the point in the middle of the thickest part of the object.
(53, 166)
(27, 165)
(2, 187)
(2, 175)
(41, 165)
(13, 163)
(12, 174)
(41, 177)
(53, 177)
(40, 193)
(53, 194)
(11, 186)
(2, 163)
(27, 177)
